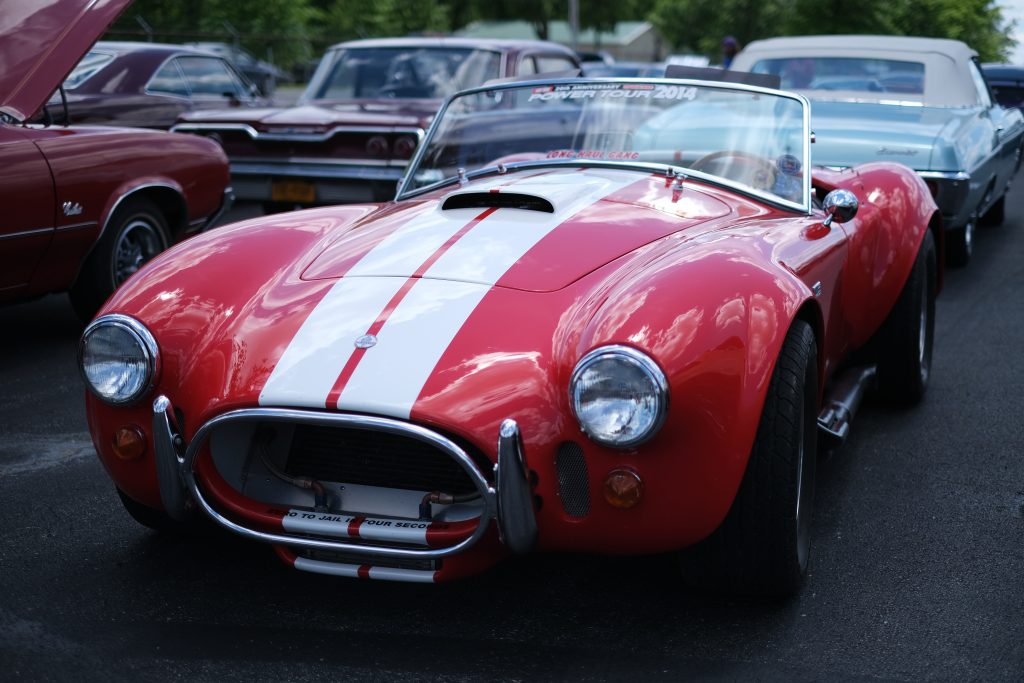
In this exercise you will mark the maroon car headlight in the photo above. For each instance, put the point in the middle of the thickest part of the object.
(619, 396)
(118, 358)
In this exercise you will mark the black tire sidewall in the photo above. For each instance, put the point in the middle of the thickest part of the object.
(760, 548)
(96, 281)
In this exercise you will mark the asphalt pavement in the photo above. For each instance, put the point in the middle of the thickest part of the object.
(917, 568)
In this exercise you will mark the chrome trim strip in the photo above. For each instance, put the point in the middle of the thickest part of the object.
(326, 161)
(77, 226)
(226, 202)
(489, 494)
(296, 137)
(26, 233)
(129, 193)
(944, 175)
(242, 170)
(352, 571)
(145, 339)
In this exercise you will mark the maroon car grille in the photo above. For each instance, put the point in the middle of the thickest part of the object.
(371, 458)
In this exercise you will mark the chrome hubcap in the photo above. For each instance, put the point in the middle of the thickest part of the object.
(139, 242)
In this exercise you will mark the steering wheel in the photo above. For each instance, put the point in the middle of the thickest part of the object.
(742, 167)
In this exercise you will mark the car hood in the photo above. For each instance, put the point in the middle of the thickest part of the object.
(40, 43)
(475, 234)
(273, 311)
(317, 118)
(849, 133)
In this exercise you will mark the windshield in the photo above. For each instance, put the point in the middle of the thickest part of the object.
(749, 138)
(93, 61)
(401, 72)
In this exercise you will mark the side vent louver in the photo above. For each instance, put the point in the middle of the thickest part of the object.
(500, 200)
(573, 482)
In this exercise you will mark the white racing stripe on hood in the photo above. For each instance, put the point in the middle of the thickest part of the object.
(391, 375)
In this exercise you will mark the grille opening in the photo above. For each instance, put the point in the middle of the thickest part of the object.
(373, 458)
(573, 481)
(500, 200)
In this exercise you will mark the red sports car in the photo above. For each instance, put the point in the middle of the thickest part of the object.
(608, 316)
(84, 207)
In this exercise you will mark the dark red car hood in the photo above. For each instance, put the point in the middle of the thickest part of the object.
(40, 43)
(319, 117)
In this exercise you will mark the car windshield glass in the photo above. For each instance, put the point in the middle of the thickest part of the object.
(749, 138)
(846, 73)
(92, 62)
(401, 72)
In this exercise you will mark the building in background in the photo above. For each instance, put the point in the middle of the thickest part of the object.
(636, 41)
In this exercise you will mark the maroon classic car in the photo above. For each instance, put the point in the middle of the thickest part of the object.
(85, 207)
(361, 117)
(149, 85)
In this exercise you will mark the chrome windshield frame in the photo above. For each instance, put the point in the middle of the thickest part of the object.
(668, 169)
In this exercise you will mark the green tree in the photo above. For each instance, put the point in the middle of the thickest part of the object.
(979, 23)
(699, 25)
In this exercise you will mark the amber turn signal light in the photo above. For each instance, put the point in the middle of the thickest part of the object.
(129, 443)
(623, 488)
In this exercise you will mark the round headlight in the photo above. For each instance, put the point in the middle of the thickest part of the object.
(118, 358)
(619, 395)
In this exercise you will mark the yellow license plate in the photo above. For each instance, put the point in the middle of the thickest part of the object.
(292, 191)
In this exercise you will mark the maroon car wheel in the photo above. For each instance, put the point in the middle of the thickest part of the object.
(136, 233)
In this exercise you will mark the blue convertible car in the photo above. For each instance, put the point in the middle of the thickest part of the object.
(919, 101)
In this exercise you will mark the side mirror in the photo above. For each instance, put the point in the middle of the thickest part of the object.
(840, 206)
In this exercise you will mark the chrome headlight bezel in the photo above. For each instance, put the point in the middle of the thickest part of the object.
(653, 374)
(146, 344)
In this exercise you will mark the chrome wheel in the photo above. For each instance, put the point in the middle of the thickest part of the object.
(139, 241)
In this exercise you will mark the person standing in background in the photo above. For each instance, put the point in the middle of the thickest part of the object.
(730, 46)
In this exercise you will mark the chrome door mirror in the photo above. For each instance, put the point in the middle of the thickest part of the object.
(840, 206)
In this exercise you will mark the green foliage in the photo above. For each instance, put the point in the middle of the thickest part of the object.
(699, 25)
(297, 30)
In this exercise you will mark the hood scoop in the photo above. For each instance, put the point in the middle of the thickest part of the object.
(497, 200)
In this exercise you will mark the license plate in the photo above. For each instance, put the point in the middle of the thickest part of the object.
(293, 191)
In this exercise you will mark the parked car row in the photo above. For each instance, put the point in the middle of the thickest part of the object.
(612, 315)
(921, 101)
(85, 207)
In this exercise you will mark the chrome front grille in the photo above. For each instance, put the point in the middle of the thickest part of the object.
(374, 458)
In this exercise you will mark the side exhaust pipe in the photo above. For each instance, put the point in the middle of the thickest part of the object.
(841, 405)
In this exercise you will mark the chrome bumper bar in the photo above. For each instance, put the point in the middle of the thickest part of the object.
(509, 501)
(318, 171)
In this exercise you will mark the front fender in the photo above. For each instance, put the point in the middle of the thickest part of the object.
(714, 317)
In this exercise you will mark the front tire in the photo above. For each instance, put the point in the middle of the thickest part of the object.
(763, 546)
(136, 233)
(907, 336)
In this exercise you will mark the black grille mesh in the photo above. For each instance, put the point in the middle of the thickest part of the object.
(371, 458)
(573, 483)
